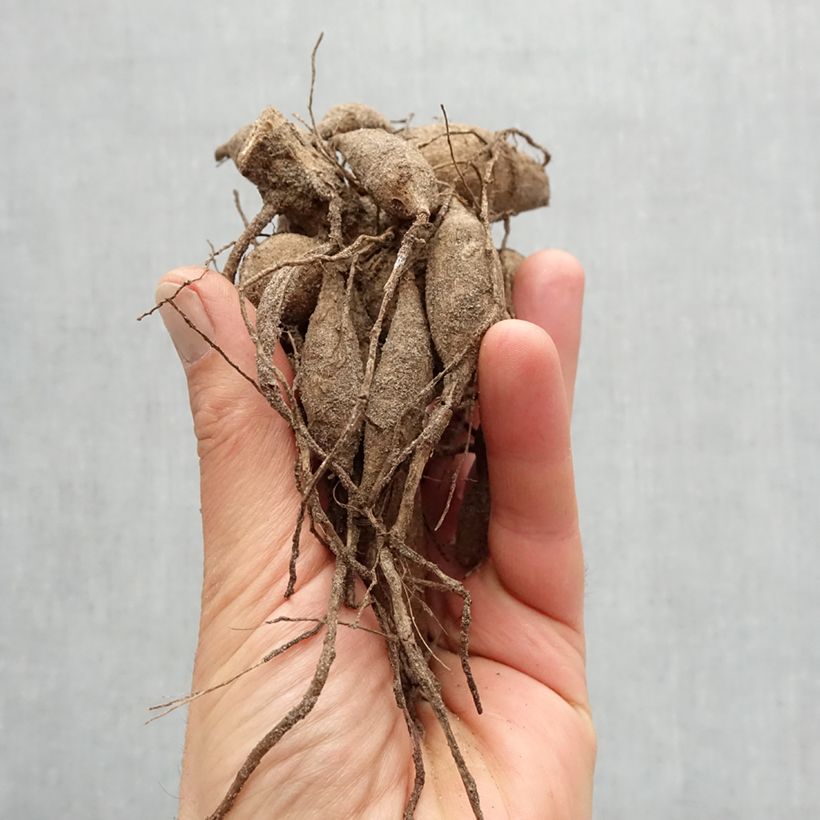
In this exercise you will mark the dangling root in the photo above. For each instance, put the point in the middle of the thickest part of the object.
(252, 230)
(423, 678)
(305, 705)
(172, 705)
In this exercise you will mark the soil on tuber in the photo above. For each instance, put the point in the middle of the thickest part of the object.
(372, 264)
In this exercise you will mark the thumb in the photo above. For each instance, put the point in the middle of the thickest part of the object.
(219, 359)
(249, 500)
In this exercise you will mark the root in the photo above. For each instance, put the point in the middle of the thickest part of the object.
(453, 157)
(238, 205)
(252, 230)
(313, 80)
(302, 709)
(175, 704)
(361, 244)
(211, 343)
(545, 155)
(349, 624)
(394, 655)
(403, 261)
(451, 585)
(424, 678)
(187, 283)
(456, 468)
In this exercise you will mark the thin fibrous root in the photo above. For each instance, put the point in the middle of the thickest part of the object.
(453, 158)
(172, 705)
(393, 653)
(425, 679)
(253, 229)
(466, 611)
(359, 245)
(186, 284)
(302, 709)
(348, 624)
(211, 343)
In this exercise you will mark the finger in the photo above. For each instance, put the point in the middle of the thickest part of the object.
(533, 535)
(246, 450)
(549, 292)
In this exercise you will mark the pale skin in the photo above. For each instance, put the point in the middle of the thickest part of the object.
(532, 751)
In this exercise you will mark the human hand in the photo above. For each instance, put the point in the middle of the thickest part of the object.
(532, 750)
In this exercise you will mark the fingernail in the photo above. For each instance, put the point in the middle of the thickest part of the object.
(189, 343)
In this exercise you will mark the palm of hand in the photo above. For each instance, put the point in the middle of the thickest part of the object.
(532, 750)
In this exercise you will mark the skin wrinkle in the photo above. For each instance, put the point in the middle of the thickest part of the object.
(264, 576)
(225, 425)
(576, 632)
(262, 580)
(549, 683)
(536, 532)
(214, 418)
(558, 547)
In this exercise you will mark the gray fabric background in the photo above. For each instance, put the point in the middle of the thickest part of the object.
(685, 179)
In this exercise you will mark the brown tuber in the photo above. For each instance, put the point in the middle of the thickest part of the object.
(519, 183)
(394, 414)
(391, 170)
(350, 117)
(510, 262)
(265, 262)
(464, 292)
(378, 275)
(331, 371)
